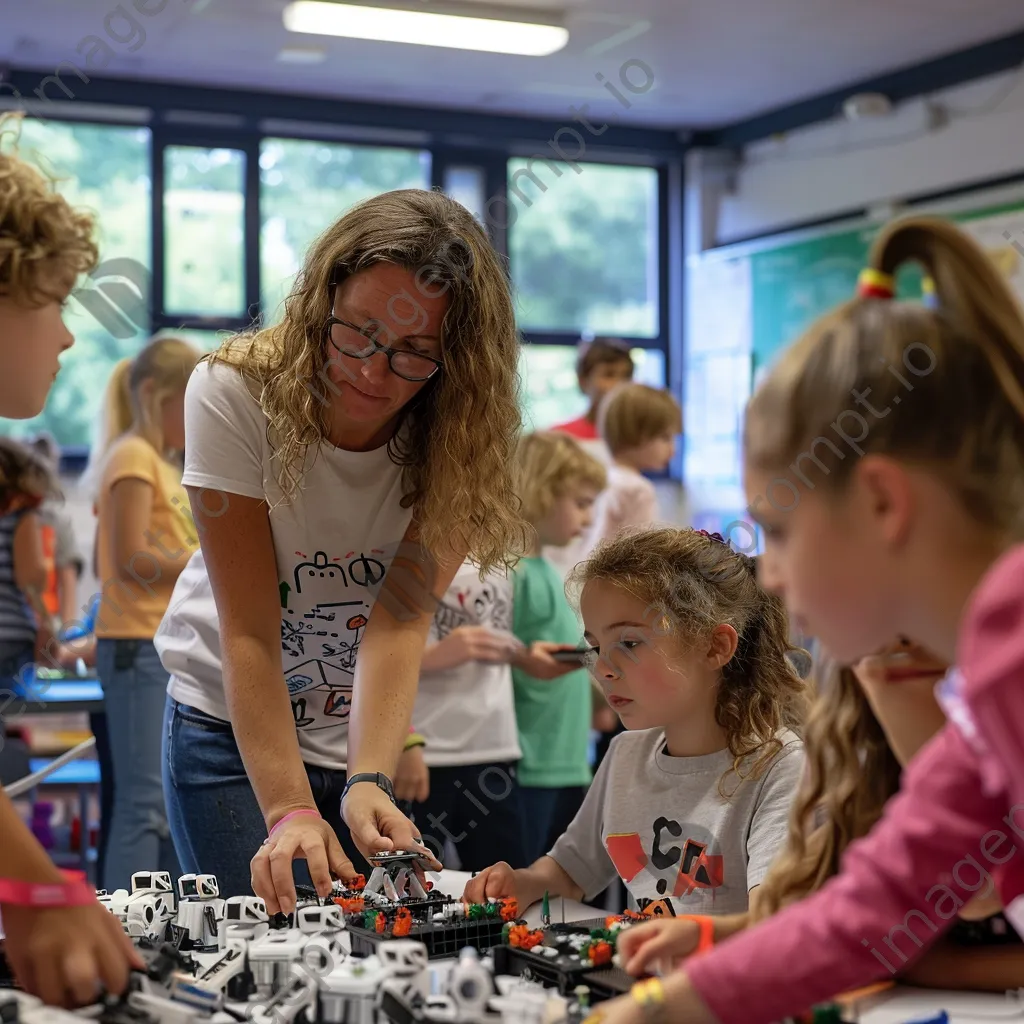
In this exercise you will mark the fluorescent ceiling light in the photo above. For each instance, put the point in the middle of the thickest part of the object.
(425, 28)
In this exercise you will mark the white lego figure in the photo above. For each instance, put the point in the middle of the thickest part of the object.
(245, 919)
(200, 910)
(348, 995)
(271, 958)
(147, 910)
(296, 995)
(470, 986)
(408, 983)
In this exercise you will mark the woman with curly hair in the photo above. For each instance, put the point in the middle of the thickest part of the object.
(341, 466)
(689, 807)
(60, 943)
(866, 723)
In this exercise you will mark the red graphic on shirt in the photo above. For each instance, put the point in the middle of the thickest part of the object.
(698, 869)
(627, 854)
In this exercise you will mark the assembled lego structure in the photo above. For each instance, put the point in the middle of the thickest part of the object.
(387, 951)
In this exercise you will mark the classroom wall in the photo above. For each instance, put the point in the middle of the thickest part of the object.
(836, 167)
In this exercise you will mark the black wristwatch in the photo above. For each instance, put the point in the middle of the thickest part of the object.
(379, 779)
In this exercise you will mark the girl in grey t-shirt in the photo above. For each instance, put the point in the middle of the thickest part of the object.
(691, 804)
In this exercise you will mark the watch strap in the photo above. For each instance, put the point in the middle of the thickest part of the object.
(379, 779)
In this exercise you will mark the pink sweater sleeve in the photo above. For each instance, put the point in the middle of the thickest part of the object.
(991, 658)
(885, 906)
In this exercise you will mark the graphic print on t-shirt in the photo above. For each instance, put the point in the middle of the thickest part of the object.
(679, 863)
(325, 611)
(474, 604)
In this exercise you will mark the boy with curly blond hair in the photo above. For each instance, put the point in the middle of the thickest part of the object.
(61, 944)
(44, 246)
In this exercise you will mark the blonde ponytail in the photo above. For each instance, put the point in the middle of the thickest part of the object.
(166, 363)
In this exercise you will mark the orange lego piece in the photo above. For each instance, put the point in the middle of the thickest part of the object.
(509, 909)
(403, 923)
(358, 883)
(600, 953)
(350, 904)
(380, 923)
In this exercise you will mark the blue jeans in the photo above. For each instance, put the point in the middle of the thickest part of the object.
(215, 820)
(134, 690)
(548, 813)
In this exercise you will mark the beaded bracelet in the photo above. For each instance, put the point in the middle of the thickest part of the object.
(650, 994)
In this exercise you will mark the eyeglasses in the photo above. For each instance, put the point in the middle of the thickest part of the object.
(361, 343)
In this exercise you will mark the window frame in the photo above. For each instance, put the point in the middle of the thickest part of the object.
(224, 118)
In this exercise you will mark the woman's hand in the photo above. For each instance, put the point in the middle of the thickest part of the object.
(657, 945)
(305, 837)
(378, 826)
(64, 955)
(471, 643)
(412, 777)
(537, 661)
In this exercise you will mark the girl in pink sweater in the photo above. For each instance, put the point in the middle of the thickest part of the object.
(885, 463)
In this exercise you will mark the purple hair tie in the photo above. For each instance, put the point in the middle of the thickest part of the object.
(712, 536)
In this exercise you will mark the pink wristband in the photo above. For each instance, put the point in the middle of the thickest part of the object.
(289, 815)
(73, 893)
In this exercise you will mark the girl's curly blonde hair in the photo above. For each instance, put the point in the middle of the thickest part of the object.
(691, 583)
(851, 773)
(458, 436)
(44, 243)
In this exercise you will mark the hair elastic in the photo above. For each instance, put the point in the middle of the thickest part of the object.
(712, 536)
(875, 284)
(929, 294)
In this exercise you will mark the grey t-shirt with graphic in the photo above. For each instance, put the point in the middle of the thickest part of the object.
(662, 825)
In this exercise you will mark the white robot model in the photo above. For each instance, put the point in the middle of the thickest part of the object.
(407, 986)
(148, 909)
(200, 911)
(348, 994)
(245, 919)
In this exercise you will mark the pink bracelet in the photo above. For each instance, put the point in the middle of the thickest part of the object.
(290, 814)
(43, 894)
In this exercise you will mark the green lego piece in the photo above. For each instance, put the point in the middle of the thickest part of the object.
(475, 911)
(491, 909)
(545, 908)
(370, 919)
(827, 1013)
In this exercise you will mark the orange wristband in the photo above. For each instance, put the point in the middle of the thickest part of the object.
(706, 926)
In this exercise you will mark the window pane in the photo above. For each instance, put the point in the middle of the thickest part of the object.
(584, 247)
(466, 185)
(204, 228)
(551, 393)
(306, 186)
(105, 169)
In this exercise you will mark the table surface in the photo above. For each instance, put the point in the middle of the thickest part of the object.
(57, 696)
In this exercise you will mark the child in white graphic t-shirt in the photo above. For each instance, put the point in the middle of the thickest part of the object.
(691, 804)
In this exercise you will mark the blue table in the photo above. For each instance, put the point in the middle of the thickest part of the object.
(54, 696)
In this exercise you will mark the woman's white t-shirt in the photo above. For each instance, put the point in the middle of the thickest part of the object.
(333, 543)
(467, 714)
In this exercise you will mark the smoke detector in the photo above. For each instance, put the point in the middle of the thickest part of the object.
(863, 105)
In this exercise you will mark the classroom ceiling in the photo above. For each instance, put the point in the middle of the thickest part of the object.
(714, 62)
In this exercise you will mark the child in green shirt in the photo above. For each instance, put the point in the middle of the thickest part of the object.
(559, 482)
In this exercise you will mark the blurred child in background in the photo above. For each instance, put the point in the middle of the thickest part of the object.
(602, 365)
(690, 807)
(639, 424)
(144, 537)
(461, 764)
(26, 623)
(60, 547)
(558, 484)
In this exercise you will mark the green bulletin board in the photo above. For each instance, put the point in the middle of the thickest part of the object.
(794, 284)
